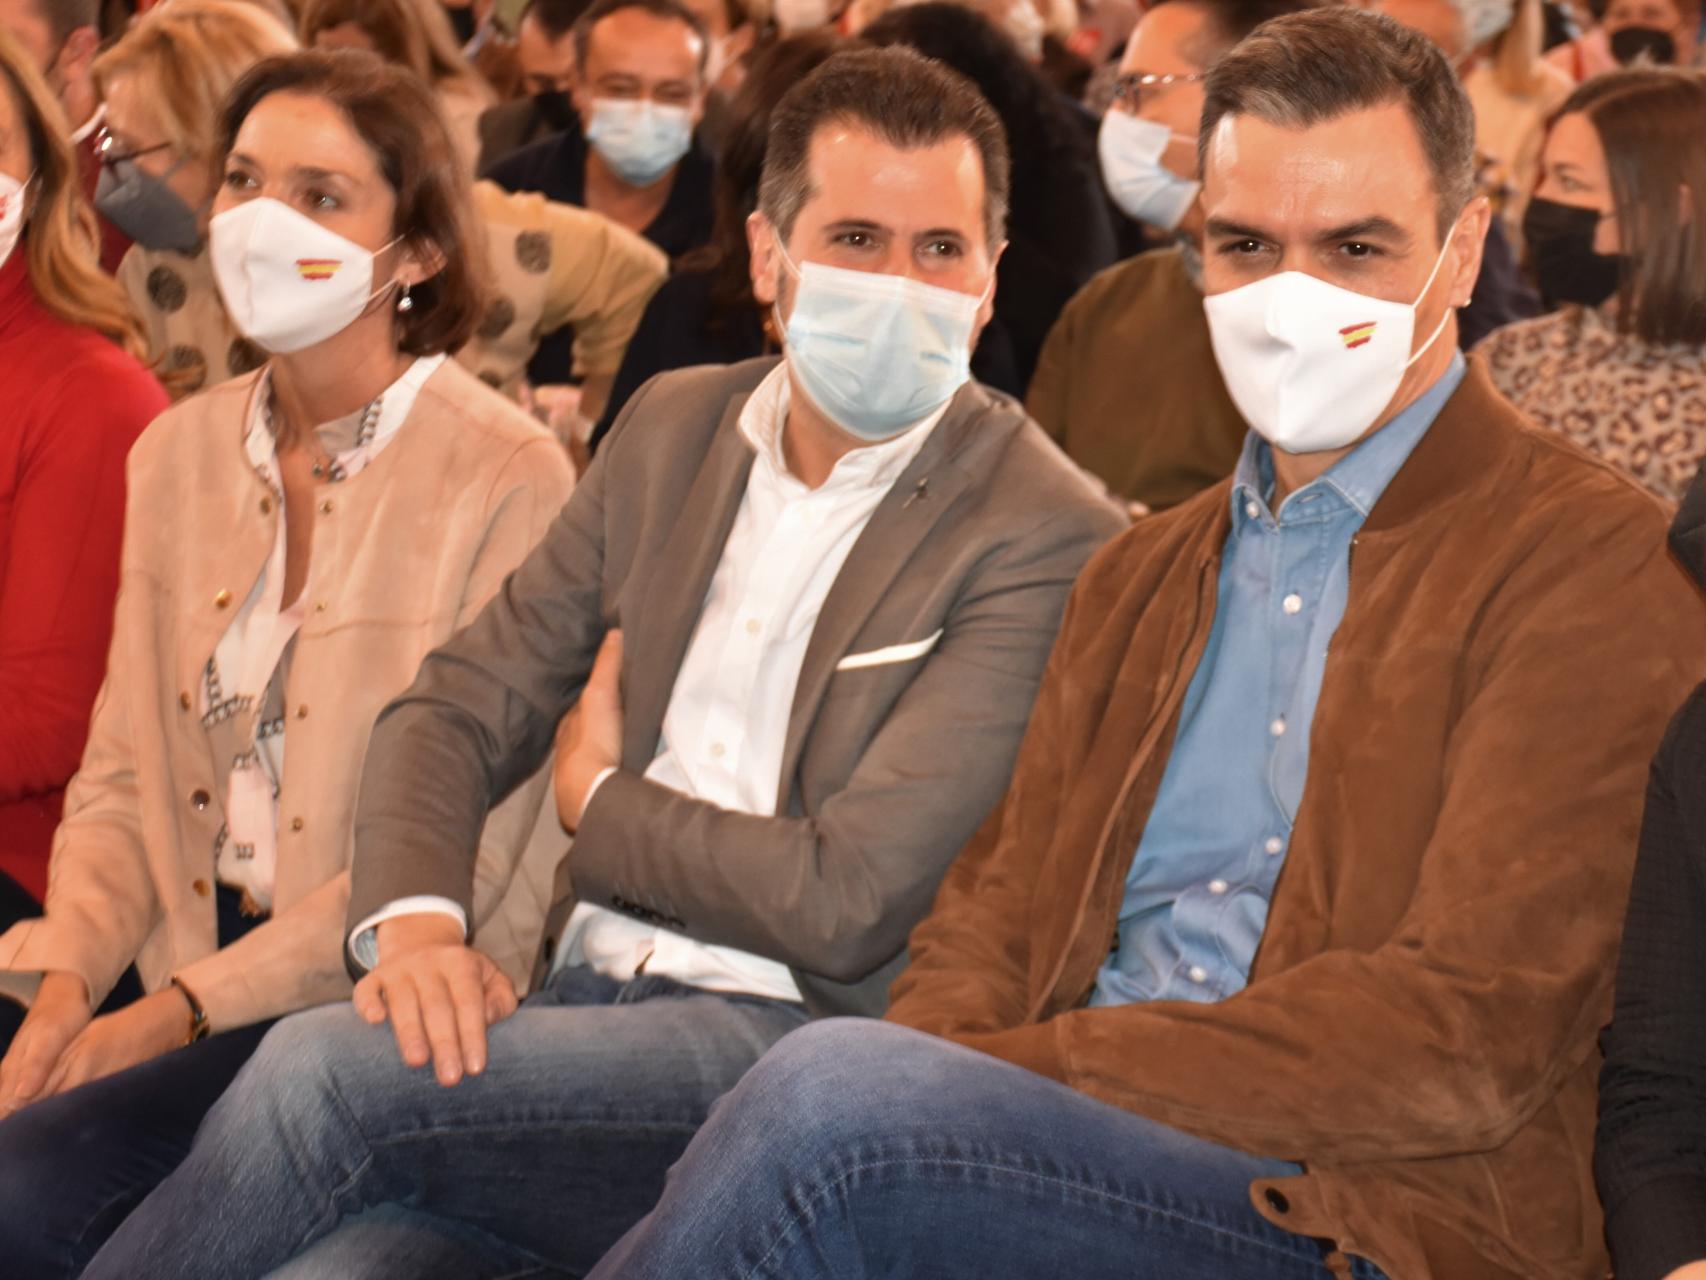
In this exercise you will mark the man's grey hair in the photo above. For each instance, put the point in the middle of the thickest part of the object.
(1308, 68)
(901, 97)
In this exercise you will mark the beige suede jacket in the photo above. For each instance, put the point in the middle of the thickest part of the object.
(405, 552)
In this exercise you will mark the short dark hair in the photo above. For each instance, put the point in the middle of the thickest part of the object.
(1651, 123)
(1308, 68)
(671, 9)
(65, 16)
(556, 18)
(903, 98)
(1229, 21)
(398, 117)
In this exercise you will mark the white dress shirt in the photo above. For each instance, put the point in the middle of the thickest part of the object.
(727, 720)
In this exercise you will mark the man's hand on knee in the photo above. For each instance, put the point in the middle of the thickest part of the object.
(439, 993)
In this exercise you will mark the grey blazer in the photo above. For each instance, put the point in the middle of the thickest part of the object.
(888, 767)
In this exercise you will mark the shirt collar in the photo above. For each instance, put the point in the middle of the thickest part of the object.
(368, 428)
(873, 466)
(1361, 476)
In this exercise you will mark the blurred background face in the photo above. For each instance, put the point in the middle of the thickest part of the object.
(132, 131)
(636, 56)
(915, 212)
(547, 65)
(1662, 15)
(1573, 172)
(1440, 21)
(1169, 41)
(346, 35)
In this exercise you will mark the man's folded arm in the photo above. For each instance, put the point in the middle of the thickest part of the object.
(834, 894)
(481, 715)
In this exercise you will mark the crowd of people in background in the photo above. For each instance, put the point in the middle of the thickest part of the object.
(916, 638)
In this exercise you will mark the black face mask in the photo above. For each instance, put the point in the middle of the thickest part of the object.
(1560, 248)
(555, 109)
(1631, 42)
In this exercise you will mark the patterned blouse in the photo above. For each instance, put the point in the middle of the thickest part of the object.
(1639, 406)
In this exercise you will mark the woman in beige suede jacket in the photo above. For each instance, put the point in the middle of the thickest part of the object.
(296, 541)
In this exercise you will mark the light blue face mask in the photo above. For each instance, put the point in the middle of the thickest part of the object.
(641, 140)
(875, 353)
(1130, 149)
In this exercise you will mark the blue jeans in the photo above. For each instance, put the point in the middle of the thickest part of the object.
(863, 1149)
(329, 1151)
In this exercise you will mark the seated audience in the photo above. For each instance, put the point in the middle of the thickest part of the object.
(1361, 830)
(1515, 92)
(295, 542)
(1616, 238)
(630, 154)
(835, 577)
(1127, 382)
(639, 81)
(545, 53)
(1652, 1126)
(1058, 229)
(76, 397)
(547, 264)
(62, 37)
(1661, 32)
(415, 34)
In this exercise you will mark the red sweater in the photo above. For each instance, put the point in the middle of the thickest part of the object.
(73, 404)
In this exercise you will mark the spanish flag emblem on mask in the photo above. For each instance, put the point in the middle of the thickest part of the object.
(1355, 335)
(317, 268)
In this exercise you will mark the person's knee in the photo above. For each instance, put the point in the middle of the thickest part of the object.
(46, 1153)
(834, 1070)
(306, 1058)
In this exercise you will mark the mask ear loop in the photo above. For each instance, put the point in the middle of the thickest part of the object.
(1446, 317)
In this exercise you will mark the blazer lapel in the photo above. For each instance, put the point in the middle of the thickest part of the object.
(908, 512)
(655, 640)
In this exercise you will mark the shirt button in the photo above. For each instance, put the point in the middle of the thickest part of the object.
(1217, 886)
(199, 798)
(1292, 603)
(753, 626)
(1274, 845)
(1277, 728)
(296, 824)
(718, 750)
(326, 507)
(1198, 974)
(202, 888)
(1252, 510)
(221, 599)
(266, 506)
(184, 700)
(302, 712)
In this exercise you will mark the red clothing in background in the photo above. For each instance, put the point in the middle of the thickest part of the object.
(71, 404)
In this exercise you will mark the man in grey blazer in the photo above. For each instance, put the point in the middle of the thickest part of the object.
(801, 610)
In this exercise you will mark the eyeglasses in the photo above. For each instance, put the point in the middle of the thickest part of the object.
(107, 148)
(1130, 89)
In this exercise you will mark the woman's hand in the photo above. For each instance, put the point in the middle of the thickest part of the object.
(112, 1043)
(59, 1012)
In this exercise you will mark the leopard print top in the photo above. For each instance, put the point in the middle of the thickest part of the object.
(1639, 406)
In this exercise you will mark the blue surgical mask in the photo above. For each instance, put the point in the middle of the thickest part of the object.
(1130, 149)
(145, 208)
(875, 353)
(641, 140)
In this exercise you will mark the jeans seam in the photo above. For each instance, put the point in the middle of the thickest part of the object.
(805, 1213)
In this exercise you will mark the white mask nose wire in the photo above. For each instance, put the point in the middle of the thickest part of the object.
(1445, 316)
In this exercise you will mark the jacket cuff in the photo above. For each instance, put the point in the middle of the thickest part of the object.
(1658, 1227)
(1033, 1046)
(35, 947)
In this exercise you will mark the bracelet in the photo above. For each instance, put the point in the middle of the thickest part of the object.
(199, 1028)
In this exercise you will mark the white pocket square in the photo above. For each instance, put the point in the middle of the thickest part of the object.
(893, 653)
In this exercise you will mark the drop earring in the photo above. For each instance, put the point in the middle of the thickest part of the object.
(405, 303)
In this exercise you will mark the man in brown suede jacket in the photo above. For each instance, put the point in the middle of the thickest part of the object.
(1287, 950)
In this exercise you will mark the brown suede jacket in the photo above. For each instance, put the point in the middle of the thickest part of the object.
(1419, 1029)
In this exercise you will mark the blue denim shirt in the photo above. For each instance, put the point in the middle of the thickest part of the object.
(1196, 898)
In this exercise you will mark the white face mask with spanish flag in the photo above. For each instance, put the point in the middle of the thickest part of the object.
(288, 282)
(1310, 365)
